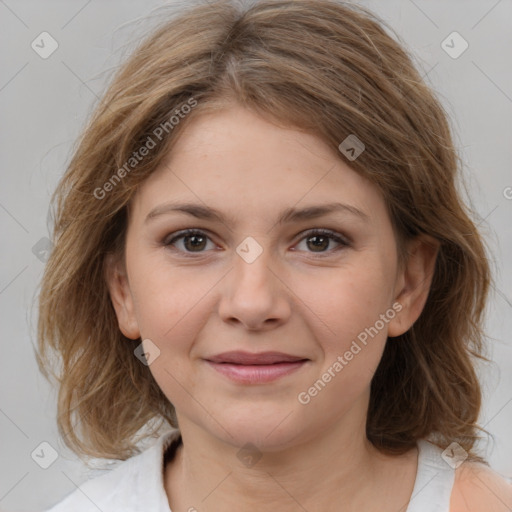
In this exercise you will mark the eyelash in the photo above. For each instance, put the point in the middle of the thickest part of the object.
(332, 235)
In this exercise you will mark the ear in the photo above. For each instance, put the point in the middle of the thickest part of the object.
(413, 283)
(120, 294)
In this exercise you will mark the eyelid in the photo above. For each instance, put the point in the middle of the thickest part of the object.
(327, 232)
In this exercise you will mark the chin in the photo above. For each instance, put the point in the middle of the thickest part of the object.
(271, 430)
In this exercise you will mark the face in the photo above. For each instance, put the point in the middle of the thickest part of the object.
(255, 282)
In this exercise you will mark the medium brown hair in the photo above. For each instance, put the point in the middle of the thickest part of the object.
(328, 68)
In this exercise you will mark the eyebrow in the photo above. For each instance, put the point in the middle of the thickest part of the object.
(286, 216)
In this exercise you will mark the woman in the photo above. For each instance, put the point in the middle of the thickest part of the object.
(259, 241)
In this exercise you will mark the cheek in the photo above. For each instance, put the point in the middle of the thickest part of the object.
(350, 336)
(167, 299)
(347, 303)
(171, 309)
(345, 300)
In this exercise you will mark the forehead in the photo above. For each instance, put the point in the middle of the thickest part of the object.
(240, 163)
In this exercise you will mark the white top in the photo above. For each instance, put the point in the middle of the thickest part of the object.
(137, 484)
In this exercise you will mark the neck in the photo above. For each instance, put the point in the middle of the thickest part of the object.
(206, 473)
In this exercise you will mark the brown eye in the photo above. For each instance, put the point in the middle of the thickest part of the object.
(319, 241)
(193, 241)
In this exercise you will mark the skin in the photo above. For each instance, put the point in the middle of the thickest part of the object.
(293, 298)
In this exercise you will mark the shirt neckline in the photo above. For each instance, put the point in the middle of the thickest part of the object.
(168, 445)
(433, 481)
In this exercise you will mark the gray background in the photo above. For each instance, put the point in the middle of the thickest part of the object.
(43, 104)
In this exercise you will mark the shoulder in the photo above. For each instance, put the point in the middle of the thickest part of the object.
(135, 484)
(95, 493)
(477, 487)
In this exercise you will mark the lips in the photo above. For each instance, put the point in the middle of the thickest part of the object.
(255, 369)
(248, 358)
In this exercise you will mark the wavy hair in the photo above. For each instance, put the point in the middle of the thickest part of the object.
(323, 66)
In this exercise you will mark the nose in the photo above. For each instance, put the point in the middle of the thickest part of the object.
(254, 294)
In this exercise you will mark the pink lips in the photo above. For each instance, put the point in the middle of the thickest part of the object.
(248, 368)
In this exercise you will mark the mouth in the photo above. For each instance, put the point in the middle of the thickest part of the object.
(248, 368)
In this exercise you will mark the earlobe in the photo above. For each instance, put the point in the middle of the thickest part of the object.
(413, 283)
(121, 297)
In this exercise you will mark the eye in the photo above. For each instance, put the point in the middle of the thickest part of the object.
(317, 240)
(193, 240)
(320, 239)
